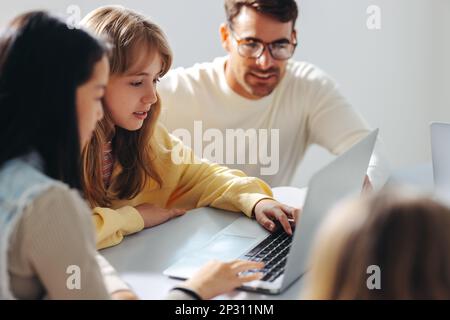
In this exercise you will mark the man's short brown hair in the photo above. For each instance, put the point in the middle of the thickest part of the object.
(281, 10)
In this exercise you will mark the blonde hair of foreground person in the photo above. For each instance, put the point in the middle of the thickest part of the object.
(406, 236)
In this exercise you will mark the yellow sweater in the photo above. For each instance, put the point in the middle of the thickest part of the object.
(193, 183)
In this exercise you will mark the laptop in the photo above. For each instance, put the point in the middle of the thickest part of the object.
(285, 257)
(440, 151)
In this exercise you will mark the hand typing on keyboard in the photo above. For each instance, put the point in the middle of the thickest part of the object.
(273, 252)
(268, 210)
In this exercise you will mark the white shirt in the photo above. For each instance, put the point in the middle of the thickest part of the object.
(305, 108)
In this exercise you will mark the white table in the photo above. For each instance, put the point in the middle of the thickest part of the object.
(141, 258)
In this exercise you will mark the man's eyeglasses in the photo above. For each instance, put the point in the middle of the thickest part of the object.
(254, 48)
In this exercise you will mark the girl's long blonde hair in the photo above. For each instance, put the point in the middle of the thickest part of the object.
(128, 32)
(407, 236)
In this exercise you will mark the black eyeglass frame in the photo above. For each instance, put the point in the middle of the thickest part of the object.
(265, 45)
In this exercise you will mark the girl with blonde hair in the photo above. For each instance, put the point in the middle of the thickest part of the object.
(393, 245)
(136, 175)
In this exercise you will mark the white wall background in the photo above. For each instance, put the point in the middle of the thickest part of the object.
(442, 28)
(397, 77)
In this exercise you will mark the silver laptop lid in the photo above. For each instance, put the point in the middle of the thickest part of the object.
(342, 177)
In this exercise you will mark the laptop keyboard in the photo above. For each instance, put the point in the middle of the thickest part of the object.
(273, 252)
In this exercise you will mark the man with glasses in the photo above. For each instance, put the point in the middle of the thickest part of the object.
(258, 86)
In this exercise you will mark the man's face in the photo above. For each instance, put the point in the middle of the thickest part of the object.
(254, 78)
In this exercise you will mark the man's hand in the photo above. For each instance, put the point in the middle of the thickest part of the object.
(267, 210)
(153, 215)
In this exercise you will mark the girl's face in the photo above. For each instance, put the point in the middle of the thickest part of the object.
(130, 96)
(89, 100)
